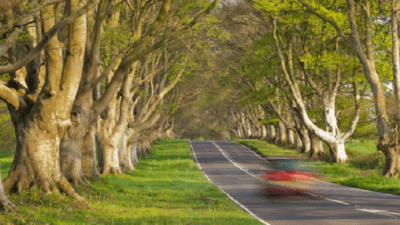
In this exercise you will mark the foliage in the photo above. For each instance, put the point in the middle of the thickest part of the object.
(7, 135)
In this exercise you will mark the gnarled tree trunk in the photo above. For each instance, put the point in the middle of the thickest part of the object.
(39, 127)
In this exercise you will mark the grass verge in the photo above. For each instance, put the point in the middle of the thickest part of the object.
(363, 170)
(167, 188)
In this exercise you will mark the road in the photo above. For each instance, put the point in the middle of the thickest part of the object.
(237, 169)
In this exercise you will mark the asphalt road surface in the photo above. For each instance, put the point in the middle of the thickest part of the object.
(237, 169)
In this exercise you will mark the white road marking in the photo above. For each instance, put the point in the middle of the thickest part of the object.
(363, 190)
(382, 212)
(195, 158)
(333, 200)
(253, 152)
(387, 194)
(312, 194)
(235, 163)
(243, 168)
(234, 200)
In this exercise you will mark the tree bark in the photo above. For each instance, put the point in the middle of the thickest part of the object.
(290, 138)
(5, 203)
(305, 140)
(264, 133)
(281, 140)
(89, 167)
(272, 134)
(299, 143)
(109, 140)
(392, 150)
(124, 155)
(316, 146)
(39, 127)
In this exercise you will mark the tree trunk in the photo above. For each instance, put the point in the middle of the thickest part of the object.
(305, 140)
(336, 144)
(290, 138)
(89, 167)
(36, 162)
(70, 150)
(134, 155)
(99, 151)
(249, 132)
(337, 152)
(40, 127)
(147, 144)
(392, 150)
(240, 133)
(271, 132)
(392, 163)
(109, 139)
(282, 137)
(289, 132)
(5, 203)
(316, 146)
(110, 142)
(124, 155)
(264, 134)
(299, 143)
(141, 149)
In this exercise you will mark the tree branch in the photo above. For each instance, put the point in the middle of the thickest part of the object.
(47, 37)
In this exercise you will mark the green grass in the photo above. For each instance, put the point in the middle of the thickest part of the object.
(363, 170)
(266, 149)
(361, 145)
(167, 188)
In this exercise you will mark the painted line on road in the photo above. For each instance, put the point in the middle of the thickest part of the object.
(198, 165)
(235, 163)
(246, 171)
(252, 152)
(234, 200)
(363, 190)
(333, 200)
(313, 194)
(381, 212)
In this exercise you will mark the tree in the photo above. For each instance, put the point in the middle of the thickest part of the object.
(47, 92)
(363, 46)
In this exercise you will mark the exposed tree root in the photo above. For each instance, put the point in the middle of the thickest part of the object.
(111, 170)
(5, 203)
(127, 168)
(15, 183)
(391, 152)
(391, 174)
(317, 154)
(80, 180)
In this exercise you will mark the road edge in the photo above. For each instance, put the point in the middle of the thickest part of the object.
(234, 200)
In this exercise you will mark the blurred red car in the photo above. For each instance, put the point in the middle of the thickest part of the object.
(289, 175)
